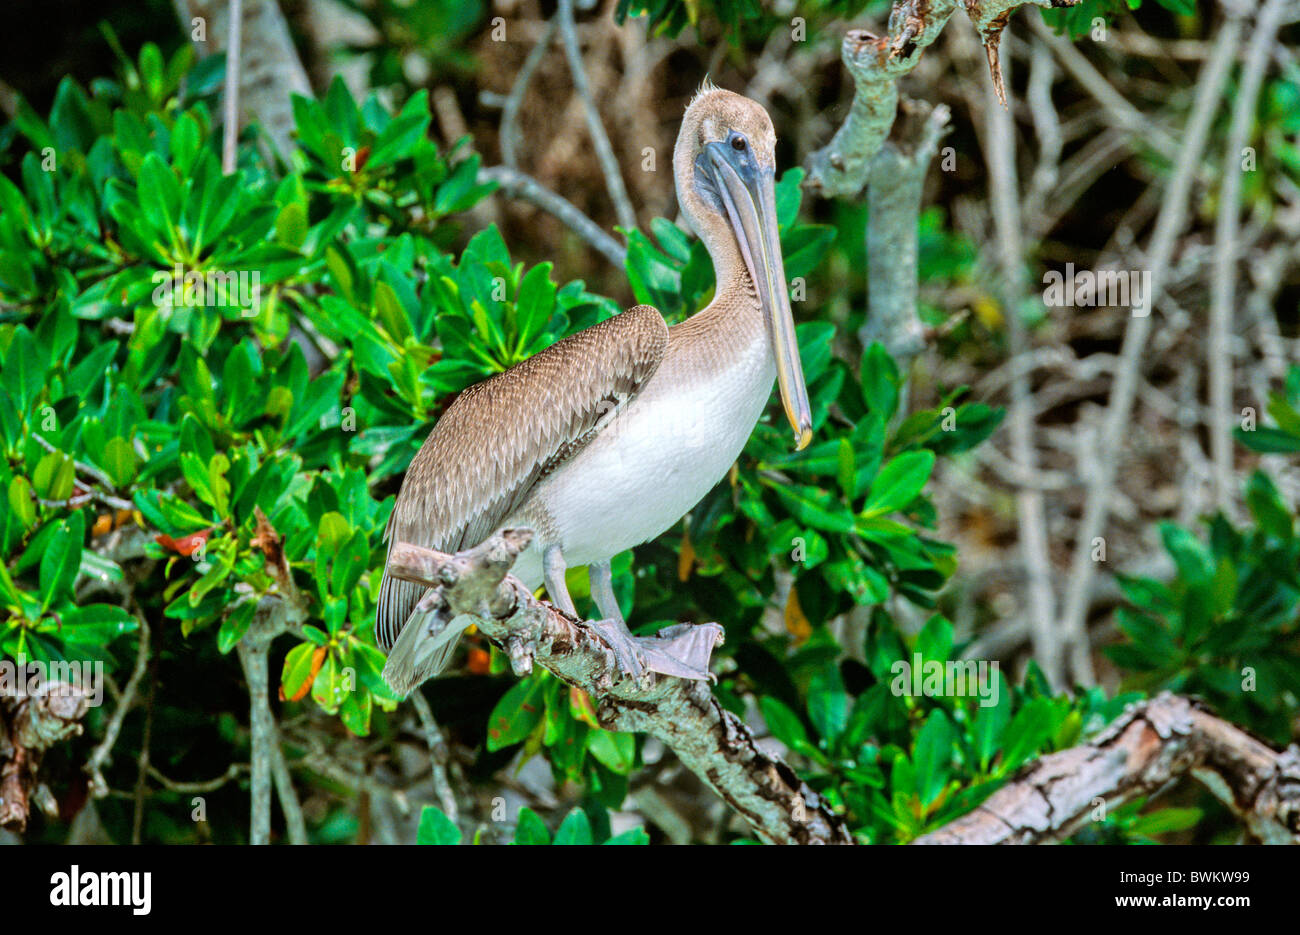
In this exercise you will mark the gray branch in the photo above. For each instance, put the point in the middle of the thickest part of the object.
(526, 188)
(683, 714)
(600, 140)
(1228, 249)
(1169, 224)
(877, 62)
(1150, 745)
(894, 197)
(270, 72)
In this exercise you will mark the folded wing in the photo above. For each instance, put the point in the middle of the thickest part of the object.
(492, 446)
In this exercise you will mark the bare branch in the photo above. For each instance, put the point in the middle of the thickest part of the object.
(30, 725)
(1004, 195)
(600, 140)
(1153, 743)
(102, 753)
(515, 99)
(230, 132)
(269, 69)
(897, 177)
(1218, 346)
(525, 187)
(1172, 217)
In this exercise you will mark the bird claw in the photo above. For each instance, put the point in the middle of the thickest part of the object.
(682, 650)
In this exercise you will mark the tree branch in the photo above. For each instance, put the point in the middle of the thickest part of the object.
(1218, 346)
(525, 187)
(1151, 744)
(897, 176)
(684, 715)
(876, 63)
(30, 725)
(1169, 223)
(599, 138)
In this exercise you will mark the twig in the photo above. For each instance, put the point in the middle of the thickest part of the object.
(1150, 745)
(1223, 283)
(94, 766)
(295, 825)
(1030, 514)
(438, 756)
(193, 788)
(600, 140)
(709, 740)
(515, 99)
(230, 132)
(1117, 108)
(525, 187)
(253, 659)
(142, 771)
(1173, 214)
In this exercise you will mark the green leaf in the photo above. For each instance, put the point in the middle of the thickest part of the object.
(1026, 734)
(1267, 507)
(633, 836)
(1268, 440)
(828, 702)
(1188, 552)
(786, 727)
(933, 756)
(160, 196)
(816, 507)
(96, 624)
(614, 749)
(880, 382)
(517, 714)
(119, 460)
(234, 626)
(989, 723)
(62, 560)
(898, 483)
(296, 669)
(1166, 820)
(23, 372)
(391, 313)
(575, 829)
(22, 501)
(436, 828)
(531, 830)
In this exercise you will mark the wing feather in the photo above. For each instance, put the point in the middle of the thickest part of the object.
(502, 436)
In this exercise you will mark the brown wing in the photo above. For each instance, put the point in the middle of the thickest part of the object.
(501, 436)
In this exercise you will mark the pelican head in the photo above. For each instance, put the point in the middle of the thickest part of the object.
(724, 164)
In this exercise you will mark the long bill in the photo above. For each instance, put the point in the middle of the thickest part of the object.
(750, 199)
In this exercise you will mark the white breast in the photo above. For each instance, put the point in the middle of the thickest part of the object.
(657, 459)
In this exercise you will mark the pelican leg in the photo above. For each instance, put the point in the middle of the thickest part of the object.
(602, 590)
(682, 650)
(613, 632)
(553, 569)
(612, 629)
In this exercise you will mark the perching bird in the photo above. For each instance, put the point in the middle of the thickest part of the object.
(607, 438)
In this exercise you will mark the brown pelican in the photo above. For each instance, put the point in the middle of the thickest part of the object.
(607, 438)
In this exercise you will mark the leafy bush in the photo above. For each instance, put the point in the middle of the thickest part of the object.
(202, 372)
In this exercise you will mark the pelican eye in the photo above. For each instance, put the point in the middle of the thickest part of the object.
(737, 142)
